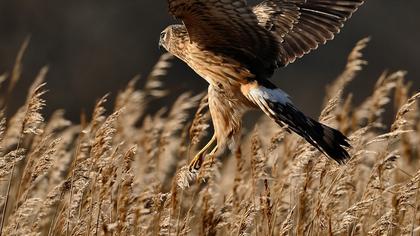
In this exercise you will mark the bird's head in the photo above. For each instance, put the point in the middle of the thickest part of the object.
(173, 38)
(164, 38)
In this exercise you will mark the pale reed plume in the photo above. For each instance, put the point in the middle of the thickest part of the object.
(123, 171)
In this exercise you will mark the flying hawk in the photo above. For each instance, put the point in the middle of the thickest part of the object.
(236, 48)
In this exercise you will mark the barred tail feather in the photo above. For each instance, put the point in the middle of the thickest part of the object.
(277, 105)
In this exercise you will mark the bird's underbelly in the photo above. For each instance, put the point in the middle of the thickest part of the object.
(227, 106)
(226, 101)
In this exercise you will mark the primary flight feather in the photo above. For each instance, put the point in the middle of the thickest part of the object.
(236, 48)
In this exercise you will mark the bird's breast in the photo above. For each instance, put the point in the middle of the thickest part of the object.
(217, 70)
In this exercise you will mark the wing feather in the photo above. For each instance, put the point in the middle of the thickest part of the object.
(303, 25)
(228, 27)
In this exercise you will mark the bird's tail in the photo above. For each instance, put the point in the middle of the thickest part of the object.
(277, 105)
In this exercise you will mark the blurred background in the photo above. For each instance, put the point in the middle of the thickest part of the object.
(96, 47)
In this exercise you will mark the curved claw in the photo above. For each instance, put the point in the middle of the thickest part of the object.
(197, 161)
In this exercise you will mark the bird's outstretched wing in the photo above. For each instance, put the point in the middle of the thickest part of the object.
(228, 27)
(303, 24)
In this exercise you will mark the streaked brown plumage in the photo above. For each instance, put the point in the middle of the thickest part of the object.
(236, 48)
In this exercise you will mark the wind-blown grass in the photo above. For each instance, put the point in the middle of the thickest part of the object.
(124, 173)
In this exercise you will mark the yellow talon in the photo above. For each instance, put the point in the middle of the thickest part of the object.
(211, 154)
(213, 151)
(196, 162)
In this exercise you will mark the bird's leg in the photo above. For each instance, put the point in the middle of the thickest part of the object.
(213, 151)
(195, 164)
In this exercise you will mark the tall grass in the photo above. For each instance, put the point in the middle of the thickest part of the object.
(123, 172)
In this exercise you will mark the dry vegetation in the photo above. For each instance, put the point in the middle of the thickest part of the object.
(124, 173)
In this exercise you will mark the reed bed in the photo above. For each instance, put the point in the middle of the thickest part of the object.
(123, 172)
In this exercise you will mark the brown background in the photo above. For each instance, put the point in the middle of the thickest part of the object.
(95, 47)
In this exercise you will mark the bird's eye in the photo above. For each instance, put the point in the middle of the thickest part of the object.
(162, 35)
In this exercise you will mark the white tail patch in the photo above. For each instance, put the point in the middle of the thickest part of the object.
(278, 106)
(261, 96)
(274, 95)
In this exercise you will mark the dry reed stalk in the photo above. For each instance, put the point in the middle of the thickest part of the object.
(51, 200)
(174, 124)
(401, 121)
(372, 108)
(199, 124)
(22, 217)
(17, 68)
(8, 160)
(354, 64)
(37, 166)
(31, 120)
(13, 133)
(154, 87)
(239, 178)
(124, 173)
(179, 115)
(2, 126)
(287, 224)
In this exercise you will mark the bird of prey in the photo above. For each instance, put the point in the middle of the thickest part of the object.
(236, 48)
